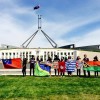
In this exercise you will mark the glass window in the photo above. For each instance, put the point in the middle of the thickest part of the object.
(64, 53)
(61, 53)
(6, 53)
(30, 52)
(68, 53)
(51, 53)
(10, 53)
(2, 53)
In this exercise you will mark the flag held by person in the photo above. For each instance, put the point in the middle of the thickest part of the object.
(92, 66)
(40, 71)
(70, 65)
(14, 63)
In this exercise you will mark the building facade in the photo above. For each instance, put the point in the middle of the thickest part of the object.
(44, 53)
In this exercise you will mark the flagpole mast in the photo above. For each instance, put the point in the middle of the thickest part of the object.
(28, 41)
(39, 21)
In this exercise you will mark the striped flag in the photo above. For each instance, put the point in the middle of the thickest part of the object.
(92, 66)
(70, 65)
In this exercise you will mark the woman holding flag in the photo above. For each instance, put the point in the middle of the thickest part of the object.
(62, 67)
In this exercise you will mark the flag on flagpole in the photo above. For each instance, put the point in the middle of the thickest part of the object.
(36, 7)
(15, 63)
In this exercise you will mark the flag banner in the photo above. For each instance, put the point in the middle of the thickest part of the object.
(92, 66)
(40, 71)
(36, 7)
(70, 65)
(45, 67)
(15, 63)
(61, 66)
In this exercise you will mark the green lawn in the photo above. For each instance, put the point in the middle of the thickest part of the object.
(49, 88)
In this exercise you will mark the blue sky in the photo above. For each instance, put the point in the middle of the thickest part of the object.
(65, 21)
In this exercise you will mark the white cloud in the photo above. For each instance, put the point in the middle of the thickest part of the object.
(15, 31)
(91, 38)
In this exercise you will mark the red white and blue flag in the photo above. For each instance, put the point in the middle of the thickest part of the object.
(15, 63)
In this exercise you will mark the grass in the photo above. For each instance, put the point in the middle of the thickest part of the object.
(49, 88)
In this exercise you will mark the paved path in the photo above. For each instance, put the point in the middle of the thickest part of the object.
(19, 71)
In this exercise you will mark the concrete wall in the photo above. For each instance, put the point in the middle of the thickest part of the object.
(90, 55)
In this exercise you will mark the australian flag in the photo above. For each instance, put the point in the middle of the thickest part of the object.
(36, 7)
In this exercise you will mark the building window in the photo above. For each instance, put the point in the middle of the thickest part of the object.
(51, 54)
(26, 54)
(6, 54)
(71, 46)
(2, 54)
(61, 53)
(72, 53)
(58, 54)
(99, 47)
(64, 53)
(68, 53)
(10, 53)
(48, 54)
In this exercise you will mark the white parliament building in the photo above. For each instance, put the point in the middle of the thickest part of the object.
(9, 53)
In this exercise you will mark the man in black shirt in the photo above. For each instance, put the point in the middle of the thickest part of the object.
(32, 64)
(24, 66)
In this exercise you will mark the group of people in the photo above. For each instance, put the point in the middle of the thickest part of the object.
(59, 65)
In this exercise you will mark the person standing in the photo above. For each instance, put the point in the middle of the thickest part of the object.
(24, 66)
(55, 62)
(86, 59)
(95, 72)
(70, 66)
(49, 64)
(32, 64)
(62, 67)
(79, 65)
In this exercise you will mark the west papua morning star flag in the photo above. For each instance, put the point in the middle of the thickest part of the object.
(36, 7)
(15, 63)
